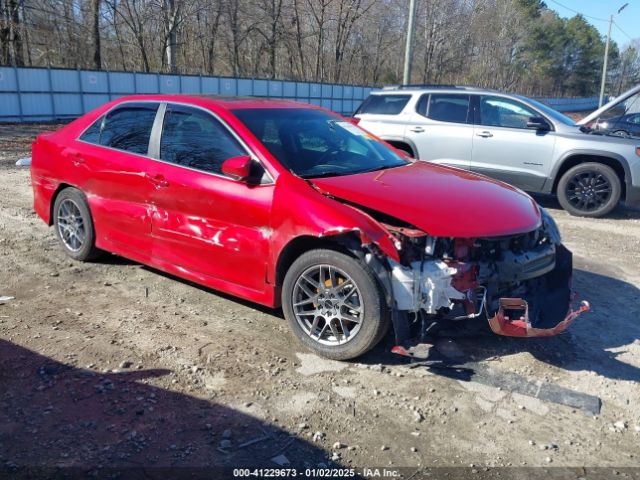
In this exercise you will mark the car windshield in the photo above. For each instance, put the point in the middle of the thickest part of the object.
(312, 143)
(550, 112)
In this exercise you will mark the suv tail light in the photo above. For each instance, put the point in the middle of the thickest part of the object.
(354, 120)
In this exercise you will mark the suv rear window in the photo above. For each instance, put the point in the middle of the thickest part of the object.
(384, 104)
(446, 107)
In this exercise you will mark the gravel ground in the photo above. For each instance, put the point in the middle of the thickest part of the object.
(115, 364)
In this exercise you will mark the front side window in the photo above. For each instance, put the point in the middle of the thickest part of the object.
(445, 107)
(313, 143)
(193, 138)
(384, 104)
(502, 112)
(551, 113)
(125, 128)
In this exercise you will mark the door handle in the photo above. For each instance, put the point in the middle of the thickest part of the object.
(485, 134)
(416, 129)
(158, 180)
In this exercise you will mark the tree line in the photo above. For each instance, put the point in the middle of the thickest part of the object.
(515, 45)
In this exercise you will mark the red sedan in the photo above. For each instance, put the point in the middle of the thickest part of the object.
(282, 203)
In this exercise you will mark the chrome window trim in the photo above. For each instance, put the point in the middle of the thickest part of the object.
(153, 150)
(164, 103)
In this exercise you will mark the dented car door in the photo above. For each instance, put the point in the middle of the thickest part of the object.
(204, 222)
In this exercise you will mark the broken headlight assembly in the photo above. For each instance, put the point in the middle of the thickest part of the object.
(550, 226)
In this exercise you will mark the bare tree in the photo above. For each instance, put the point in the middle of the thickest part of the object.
(271, 29)
(97, 54)
(136, 17)
(11, 49)
(171, 10)
(508, 44)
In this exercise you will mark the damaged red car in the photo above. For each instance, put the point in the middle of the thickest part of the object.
(290, 205)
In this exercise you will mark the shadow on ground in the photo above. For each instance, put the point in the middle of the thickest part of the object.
(56, 415)
(612, 324)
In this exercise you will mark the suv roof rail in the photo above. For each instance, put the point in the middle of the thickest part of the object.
(429, 85)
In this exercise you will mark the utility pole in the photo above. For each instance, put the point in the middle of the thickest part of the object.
(606, 56)
(408, 48)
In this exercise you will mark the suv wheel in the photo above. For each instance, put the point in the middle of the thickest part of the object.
(334, 304)
(74, 226)
(589, 190)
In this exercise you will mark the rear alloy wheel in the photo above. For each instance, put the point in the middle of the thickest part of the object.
(74, 226)
(334, 304)
(589, 190)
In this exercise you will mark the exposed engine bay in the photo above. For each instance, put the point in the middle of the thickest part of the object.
(519, 284)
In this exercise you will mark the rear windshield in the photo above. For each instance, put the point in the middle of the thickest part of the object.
(384, 104)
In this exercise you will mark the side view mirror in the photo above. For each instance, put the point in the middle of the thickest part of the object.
(538, 123)
(238, 168)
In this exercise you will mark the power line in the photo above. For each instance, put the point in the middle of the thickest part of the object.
(623, 32)
(580, 13)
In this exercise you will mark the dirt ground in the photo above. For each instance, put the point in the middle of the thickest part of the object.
(115, 364)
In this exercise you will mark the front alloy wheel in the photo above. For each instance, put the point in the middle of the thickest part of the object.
(334, 304)
(589, 190)
(328, 305)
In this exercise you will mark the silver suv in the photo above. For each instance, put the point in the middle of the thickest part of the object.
(511, 138)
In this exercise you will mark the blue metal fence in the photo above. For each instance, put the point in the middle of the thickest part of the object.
(571, 104)
(43, 94)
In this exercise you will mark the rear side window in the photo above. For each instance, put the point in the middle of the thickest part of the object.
(384, 104)
(92, 134)
(447, 108)
(193, 138)
(126, 128)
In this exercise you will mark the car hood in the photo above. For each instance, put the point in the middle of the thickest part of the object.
(610, 105)
(442, 201)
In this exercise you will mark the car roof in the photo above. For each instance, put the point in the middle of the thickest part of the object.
(220, 101)
(419, 89)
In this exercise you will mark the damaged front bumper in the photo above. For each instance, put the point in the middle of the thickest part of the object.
(521, 326)
(522, 295)
(547, 308)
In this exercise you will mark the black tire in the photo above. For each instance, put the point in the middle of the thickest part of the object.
(580, 190)
(374, 319)
(86, 249)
